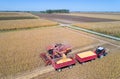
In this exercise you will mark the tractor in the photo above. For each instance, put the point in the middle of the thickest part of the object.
(100, 51)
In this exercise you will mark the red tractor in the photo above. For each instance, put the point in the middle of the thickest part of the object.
(55, 51)
(100, 51)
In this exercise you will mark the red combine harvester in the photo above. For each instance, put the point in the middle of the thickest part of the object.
(57, 56)
(55, 51)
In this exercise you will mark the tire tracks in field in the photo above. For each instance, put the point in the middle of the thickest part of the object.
(35, 72)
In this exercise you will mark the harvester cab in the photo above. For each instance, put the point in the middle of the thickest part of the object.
(100, 51)
(56, 51)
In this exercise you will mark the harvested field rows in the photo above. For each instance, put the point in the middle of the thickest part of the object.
(22, 24)
(110, 28)
(74, 18)
(97, 15)
(110, 65)
(20, 49)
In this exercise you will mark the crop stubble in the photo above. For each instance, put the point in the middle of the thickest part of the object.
(23, 24)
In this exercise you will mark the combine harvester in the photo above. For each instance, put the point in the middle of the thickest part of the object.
(55, 51)
(57, 56)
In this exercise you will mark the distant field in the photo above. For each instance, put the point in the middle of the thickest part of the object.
(106, 68)
(74, 18)
(24, 24)
(110, 28)
(97, 15)
(16, 16)
(20, 50)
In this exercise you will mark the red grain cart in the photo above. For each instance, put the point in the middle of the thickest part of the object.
(85, 56)
(59, 66)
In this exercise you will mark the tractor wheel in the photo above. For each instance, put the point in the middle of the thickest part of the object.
(101, 56)
(71, 66)
(59, 70)
(105, 54)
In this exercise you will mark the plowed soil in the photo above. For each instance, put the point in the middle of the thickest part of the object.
(73, 18)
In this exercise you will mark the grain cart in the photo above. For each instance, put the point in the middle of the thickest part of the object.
(55, 51)
(85, 56)
(63, 62)
(90, 55)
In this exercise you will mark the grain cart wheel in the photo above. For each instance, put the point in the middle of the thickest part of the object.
(91, 60)
(59, 70)
(71, 66)
(82, 63)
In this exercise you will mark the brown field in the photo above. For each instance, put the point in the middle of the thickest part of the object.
(106, 68)
(22, 24)
(20, 49)
(97, 15)
(110, 28)
(74, 18)
(105, 25)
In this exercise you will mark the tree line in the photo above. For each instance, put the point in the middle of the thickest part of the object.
(56, 11)
(46, 11)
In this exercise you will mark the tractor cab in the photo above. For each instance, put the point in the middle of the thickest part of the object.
(100, 51)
